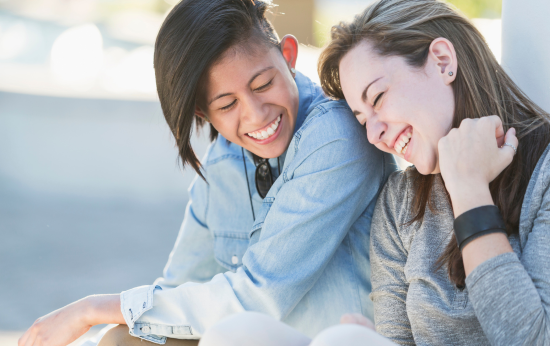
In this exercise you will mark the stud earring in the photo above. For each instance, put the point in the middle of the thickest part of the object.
(451, 73)
(293, 70)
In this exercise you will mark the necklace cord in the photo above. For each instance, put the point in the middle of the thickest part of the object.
(248, 186)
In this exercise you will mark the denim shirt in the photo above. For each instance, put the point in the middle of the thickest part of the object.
(303, 260)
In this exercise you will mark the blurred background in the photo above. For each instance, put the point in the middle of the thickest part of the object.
(91, 193)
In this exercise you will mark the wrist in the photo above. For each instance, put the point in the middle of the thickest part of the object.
(102, 309)
(469, 195)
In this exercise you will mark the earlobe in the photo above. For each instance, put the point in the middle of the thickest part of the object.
(444, 55)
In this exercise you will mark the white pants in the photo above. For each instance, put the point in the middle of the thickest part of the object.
(255, 329)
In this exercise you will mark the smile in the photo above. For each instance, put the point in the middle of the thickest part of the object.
(267, 131)
(402, 143)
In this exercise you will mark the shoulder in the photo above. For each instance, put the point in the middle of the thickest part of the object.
(330, 112)
(399, 185)
(394, 200)
(537, 195)
(330, 121)
(540, 180)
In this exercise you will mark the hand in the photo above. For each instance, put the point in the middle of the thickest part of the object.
(472, 156)
(357, 319)
(63, 326)
(58, 328)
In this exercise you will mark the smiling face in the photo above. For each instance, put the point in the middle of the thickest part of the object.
(251, 98)
(406, 110)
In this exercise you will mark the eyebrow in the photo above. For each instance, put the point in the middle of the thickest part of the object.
(249, 82)
(364, 94)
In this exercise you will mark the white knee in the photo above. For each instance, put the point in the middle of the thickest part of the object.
(252, 328)
(350, 335)
(227, 331)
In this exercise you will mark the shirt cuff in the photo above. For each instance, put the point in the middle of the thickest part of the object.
(485, 268)
(133, 303)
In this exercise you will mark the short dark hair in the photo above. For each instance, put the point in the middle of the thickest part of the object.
(194, 36)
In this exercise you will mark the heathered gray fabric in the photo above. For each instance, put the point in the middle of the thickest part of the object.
(507, 298)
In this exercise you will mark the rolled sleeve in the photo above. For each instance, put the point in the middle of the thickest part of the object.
(133, 304)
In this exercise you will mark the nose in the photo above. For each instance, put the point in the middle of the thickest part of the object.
(376, 130)
(255, 112)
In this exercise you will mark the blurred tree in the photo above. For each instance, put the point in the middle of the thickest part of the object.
(479, 8)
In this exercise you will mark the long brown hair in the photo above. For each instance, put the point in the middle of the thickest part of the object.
(194, 36)
(406, 28)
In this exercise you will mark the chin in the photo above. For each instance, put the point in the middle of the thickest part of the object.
(269, 153)
(425, 169)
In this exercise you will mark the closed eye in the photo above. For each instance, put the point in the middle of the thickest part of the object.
(229, 105)
(264, 86)
(377, 99)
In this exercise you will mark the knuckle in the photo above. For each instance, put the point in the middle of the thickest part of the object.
(467, 122)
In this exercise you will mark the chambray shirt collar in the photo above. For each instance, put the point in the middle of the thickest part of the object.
(309, 94)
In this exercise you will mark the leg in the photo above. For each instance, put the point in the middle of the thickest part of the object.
(350, 335)
(119, 336)
(252, 329)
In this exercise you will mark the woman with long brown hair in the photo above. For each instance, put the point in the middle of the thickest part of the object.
(451, 261)
(460, 242)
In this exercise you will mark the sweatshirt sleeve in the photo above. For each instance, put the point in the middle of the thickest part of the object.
(511, 297)
(388, 259)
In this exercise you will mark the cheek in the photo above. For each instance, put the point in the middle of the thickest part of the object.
(227, 124)
(383, 147)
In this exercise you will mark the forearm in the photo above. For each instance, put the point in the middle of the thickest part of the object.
(103, 309)
(510, 305)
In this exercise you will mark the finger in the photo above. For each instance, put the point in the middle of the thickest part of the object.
(29, 341)
(506, 150)
(499, 129)
(23, 339)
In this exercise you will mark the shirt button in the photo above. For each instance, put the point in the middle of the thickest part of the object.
(235, 259)
(146, 329)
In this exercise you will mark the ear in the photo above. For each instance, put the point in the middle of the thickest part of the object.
(289, 48)
(442, 55)
(200, 113)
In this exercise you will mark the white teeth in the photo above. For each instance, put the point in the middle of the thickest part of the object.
(267, 132)
(401, 144)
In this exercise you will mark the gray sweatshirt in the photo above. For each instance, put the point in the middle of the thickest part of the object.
(507, 298)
